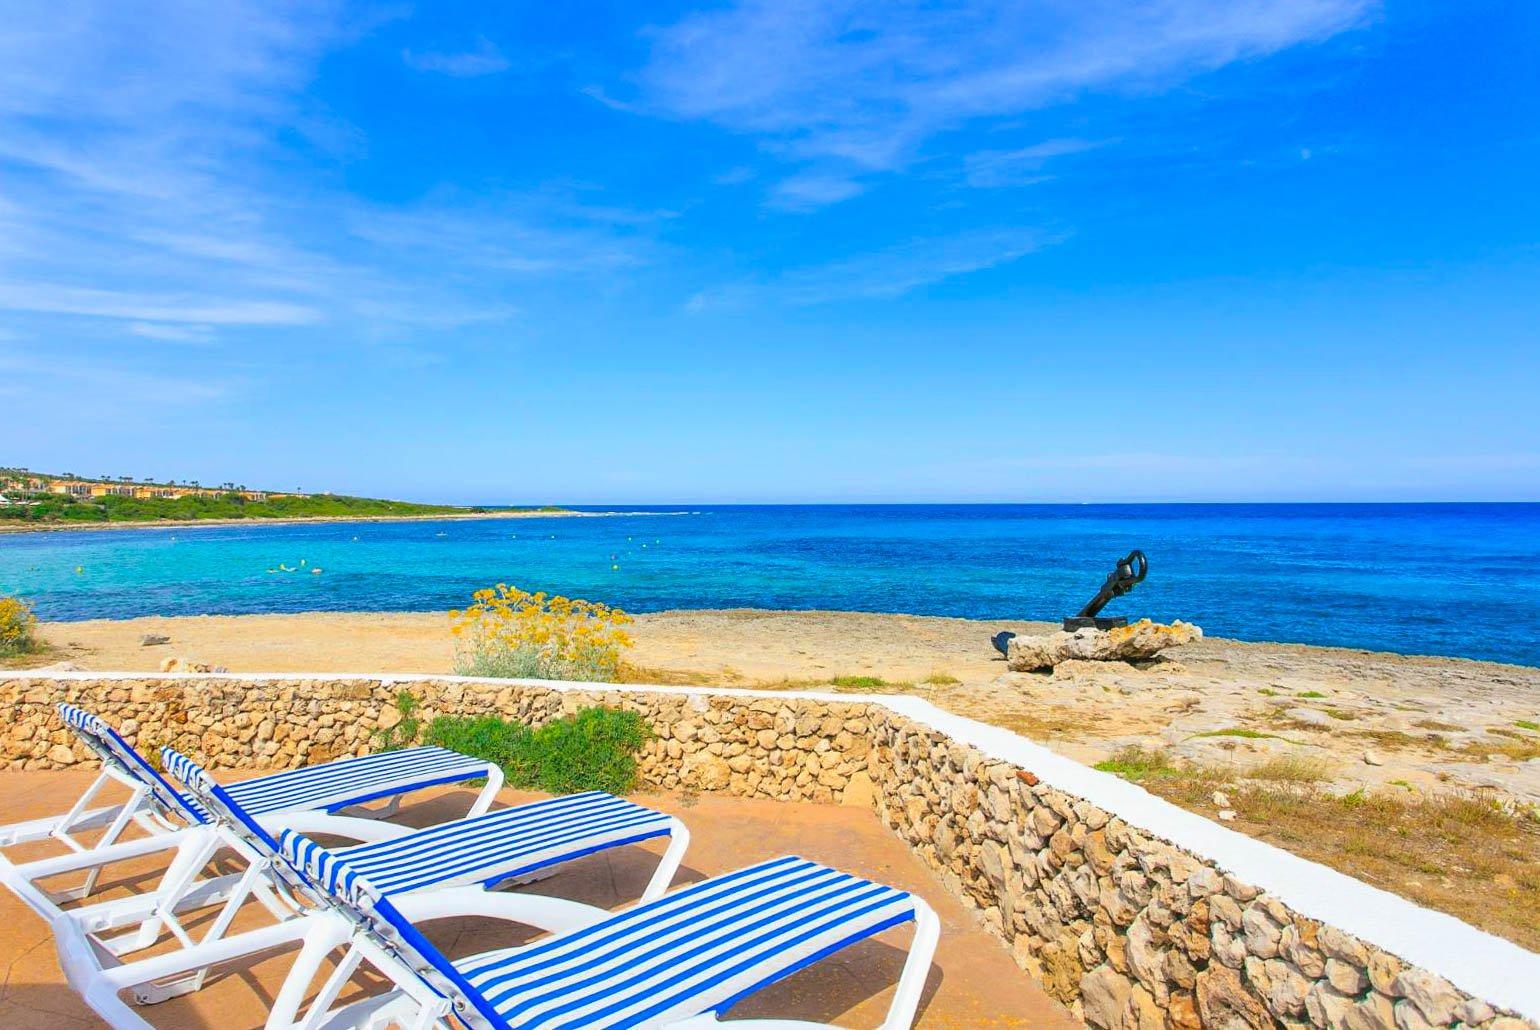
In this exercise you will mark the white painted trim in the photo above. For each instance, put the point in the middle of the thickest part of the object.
(1482, 964)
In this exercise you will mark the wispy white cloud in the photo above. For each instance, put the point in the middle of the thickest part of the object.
(813, 189)
(882, 274)
(484, 59)
(192, 333)
(193, 308)
(151, 186)
(1022, 166)
(857, 87)
(504, 233)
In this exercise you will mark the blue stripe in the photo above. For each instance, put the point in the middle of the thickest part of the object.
(836, 891)
(780, 974)
(628, 995)
(664, 955)
(655, 913)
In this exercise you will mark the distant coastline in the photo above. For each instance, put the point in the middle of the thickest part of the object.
(7, 528)
(69, 527)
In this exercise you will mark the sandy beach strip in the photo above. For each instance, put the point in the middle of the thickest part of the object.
(1213, 701)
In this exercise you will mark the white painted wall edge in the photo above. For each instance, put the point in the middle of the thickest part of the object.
(1487, 966)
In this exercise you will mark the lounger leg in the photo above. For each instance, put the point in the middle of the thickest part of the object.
(411, 1005)
(488, 792)
(911, 984)
(326, 935)
(108, 838)
(668, 865)
(61, 829)
(195, 852)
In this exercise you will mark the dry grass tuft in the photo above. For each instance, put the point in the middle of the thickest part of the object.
(1459, 853)
(628, 673)
(1290, 769)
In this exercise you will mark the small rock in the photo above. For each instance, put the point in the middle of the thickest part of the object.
(1105, 996)
(153, 640)
(1221, 799)
(1227, 815)
(1223, 1000)
(1433, 996)
(58, 667)
(1370, 758)
(1309, 716)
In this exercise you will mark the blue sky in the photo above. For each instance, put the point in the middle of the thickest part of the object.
(802, 250)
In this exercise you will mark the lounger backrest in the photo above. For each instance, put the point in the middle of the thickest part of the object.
(230, 814)
(91, 732)
(372, 912)
(113, 750)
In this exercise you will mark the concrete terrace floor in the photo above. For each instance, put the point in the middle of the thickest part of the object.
(973, 981)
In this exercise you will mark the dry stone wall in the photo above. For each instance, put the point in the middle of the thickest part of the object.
(1127, 929)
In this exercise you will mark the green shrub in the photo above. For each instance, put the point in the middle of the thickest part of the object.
(594, 749)
(490, 737)
(406, 730)
(18, 627)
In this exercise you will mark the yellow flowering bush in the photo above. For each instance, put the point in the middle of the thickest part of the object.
(18, 626)
(508, 632)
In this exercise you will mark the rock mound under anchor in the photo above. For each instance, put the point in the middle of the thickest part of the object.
(1143, 639)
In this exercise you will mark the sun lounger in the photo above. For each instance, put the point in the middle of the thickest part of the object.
(515, 843)
(172, 820)
(511, 845)
(678, 961)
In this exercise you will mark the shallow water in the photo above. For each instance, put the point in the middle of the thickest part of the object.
(1452, 579)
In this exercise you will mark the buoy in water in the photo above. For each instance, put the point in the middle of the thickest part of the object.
(315, 572)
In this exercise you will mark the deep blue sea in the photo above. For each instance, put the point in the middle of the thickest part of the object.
(1450, 579)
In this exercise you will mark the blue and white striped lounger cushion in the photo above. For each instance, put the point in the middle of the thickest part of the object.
(331, 785)
(486, 849)
(696, 950)
(352, 781)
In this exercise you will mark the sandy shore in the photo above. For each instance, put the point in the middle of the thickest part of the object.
(1377, 720)
(63, 527)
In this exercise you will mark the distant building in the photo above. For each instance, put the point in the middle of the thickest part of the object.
(12, 481)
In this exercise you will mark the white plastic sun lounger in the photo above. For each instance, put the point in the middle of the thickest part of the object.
(518, 843)
(512, 845)
(680, 961)
(677, 962)
(174, 821)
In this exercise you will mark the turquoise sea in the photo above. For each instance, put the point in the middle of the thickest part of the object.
(1450, 579)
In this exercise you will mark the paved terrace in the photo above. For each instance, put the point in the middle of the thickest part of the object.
(973, 983)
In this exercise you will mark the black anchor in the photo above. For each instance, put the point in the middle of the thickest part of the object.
(1129, 573)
